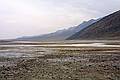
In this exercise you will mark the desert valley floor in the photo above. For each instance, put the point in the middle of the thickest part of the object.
(60, 60)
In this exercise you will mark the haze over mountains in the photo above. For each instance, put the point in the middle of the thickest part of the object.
(106, 28)
(60, 34)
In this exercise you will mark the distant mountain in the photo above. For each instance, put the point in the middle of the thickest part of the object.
(60, 34)
(106, 28)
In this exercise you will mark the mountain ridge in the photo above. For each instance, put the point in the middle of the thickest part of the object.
(106, 28)
(60, 34)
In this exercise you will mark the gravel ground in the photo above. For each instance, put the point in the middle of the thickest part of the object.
(59, 63)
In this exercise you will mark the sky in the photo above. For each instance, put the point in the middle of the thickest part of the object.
(33, 17)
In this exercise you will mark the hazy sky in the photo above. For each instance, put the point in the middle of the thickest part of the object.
(33, 17)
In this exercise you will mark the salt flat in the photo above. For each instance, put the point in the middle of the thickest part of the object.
(60, 60)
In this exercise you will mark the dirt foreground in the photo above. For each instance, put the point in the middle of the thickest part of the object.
(58, 62)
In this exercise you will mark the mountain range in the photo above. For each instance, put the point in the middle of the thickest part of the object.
(60, 34)
(106, 28)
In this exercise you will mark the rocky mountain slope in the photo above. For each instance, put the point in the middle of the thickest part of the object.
(106, 28)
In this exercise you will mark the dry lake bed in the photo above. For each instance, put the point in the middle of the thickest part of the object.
(60, 60)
